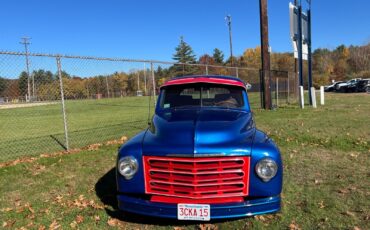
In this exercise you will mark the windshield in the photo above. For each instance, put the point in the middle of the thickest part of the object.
(204, 95)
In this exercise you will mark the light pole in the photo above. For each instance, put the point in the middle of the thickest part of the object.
(228, 21)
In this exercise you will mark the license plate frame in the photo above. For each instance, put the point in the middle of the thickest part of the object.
(198, 212)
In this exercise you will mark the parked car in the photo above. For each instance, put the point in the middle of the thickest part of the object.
(348, 86)
(367, 88)
(362, 84)
(202, 157)
(332, 87)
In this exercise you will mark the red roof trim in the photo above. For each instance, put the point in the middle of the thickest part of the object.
(211, 80)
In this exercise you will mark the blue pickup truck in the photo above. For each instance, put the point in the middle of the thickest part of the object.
(201, 158)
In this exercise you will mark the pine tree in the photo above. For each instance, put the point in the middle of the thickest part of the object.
(184, 54)
(218, 56)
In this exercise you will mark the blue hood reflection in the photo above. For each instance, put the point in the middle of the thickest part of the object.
(198, 132)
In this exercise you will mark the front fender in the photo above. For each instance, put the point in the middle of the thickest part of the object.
(263, 147)
(132, 148)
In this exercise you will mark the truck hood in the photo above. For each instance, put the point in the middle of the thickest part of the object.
(200, 132)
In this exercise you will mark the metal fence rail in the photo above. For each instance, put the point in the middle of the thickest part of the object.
(64, 102)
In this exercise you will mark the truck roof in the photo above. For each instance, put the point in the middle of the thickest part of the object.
(212, 79)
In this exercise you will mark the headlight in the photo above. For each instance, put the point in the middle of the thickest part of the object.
(127, 167)
(266, 169)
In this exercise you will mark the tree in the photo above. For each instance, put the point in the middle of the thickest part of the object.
(205, 59)
(2, 85)
(42, 77)
(23, 83)
(218, 56)
(184, 54)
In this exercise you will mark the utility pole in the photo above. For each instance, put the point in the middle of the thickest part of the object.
(309, 51)
(228, 21)
(265, 55)
(25, 42)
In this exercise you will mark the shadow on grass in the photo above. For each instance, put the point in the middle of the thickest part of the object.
(106, 190)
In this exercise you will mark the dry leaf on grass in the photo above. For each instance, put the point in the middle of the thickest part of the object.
(8, 224)
(73, 224)
(207, 227)
(79, 219)
(54, 225)
(112, 222)
(348, 213)
(294, 226)
(260, 218)
(6, 209)
(97, 218)
(321, 205)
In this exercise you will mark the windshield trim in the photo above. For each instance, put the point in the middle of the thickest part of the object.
(244, 107)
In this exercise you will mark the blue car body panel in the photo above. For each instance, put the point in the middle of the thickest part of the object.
(201, 132)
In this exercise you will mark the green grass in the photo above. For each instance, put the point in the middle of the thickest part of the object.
(36, 130)
(326, 175)
(40, 129)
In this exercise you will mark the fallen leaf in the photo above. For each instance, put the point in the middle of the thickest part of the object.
(6, 209)
(294, 226)
(348, 213)
(207, 227)
(321, 205)
(97, 218)
(260, 218)
(356, 228)
(54, 225)
(73, 224)
(42, 227)
(112, 222)
(8, 224)
(343, 191)
(79, 219)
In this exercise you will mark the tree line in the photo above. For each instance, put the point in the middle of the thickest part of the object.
(341, 63)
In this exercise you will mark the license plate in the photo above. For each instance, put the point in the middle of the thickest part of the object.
(193, 212)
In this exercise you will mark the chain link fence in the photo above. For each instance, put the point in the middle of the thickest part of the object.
(57, 102)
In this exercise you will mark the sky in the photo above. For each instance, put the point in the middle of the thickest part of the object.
(150, 29)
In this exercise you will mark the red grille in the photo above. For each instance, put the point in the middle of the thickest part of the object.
(197, 178)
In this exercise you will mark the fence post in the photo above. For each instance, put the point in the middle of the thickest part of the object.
(322, 95)
(153, 79)
(313, 97)
(277, 91)
(288, 93)
(145, 77)
(237, 72)
(301, 97)
(207, 70)
(63, 103)
(106, 81)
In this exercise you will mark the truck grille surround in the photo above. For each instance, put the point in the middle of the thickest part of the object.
(196, 178)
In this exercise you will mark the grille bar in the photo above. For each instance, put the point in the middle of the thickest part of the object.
(197, 178)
